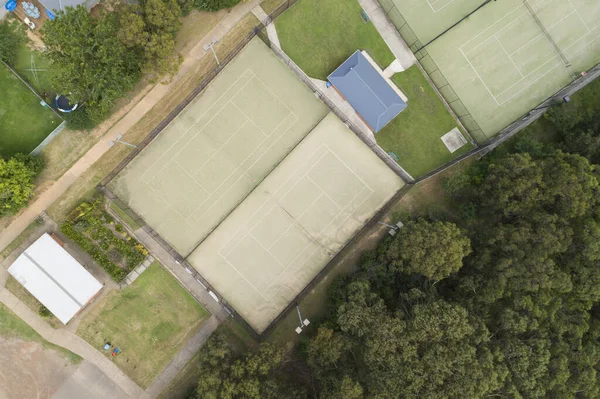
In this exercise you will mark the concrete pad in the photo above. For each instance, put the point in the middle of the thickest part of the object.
(454, 140)
(90, 383)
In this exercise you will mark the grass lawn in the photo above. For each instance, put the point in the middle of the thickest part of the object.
(24, 123)
(415, 134)
(149, 322)
(40, 80)
(321, 34)
(11, 326)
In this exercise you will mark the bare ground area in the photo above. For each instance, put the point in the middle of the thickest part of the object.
(34, 373)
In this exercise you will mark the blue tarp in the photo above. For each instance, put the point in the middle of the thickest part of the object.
(367, 91)
(50, 15)
(11, 5)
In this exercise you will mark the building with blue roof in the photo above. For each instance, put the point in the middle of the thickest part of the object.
(367, 91)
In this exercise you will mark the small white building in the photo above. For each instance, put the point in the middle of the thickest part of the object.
(55, 278)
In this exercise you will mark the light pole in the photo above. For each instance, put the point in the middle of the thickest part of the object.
(210, 46)
(303, 324)
(118, 138)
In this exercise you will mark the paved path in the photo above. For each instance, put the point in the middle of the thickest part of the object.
(72, 342)
(140, 110)
(389, 33)
(271, 31)
(183, 357)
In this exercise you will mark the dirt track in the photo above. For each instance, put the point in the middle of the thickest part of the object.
(27, 370)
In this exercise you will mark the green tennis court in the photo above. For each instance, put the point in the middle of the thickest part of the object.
(507, 57)
(297, 219)
(219, 148)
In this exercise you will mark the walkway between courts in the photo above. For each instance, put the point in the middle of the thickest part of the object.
(389, 33)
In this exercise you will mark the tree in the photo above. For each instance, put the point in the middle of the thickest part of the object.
(149, 29)
(17, 176)
(434, 250)
(10, 40)
(91, 63)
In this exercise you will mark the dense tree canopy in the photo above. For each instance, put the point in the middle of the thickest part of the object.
(434, 250)
(9, 41)
(17, 176)
(91, 63)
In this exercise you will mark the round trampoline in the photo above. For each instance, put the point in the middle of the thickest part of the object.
(64, 105)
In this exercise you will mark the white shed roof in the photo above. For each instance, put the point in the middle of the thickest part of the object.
(55, 278)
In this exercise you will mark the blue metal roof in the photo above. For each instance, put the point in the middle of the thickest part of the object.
(367, 91)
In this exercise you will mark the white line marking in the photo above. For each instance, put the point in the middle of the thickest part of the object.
(509, 57)
(579, 15)
(202, 116)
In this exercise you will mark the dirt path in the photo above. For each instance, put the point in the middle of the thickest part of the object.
(54, 191)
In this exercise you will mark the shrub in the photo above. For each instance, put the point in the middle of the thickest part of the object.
(215, 5)
(44, 312)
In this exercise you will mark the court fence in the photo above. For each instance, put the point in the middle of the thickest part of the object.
(432, 72)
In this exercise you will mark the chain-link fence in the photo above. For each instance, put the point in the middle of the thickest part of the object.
(432, 72)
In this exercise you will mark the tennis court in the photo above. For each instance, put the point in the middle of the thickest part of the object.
(507, 57)
(219, 148)
(289, 228)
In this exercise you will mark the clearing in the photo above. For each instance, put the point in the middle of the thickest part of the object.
(415, 134)
(319, 35)
(149, 322)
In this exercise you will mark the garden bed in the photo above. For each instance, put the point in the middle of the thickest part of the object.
(106, 241)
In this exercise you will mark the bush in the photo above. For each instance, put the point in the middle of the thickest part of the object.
(10, 40)
(215, 5)
(44, 312)
(80, 119)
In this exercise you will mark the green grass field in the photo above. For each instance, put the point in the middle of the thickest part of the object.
(319, 35)
(148, 321)
(24, 123)
(415, 134)
(11, 326)
(28, 59)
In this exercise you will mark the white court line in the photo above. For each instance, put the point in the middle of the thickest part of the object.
(263, 247)
(324, 193)
(579, 15)
(497, 22)
(246, 115)
(273, 195)
(435, 11)
(347, 166)
(295, 219)
(553, 68)
(344, 221)
(509, 57)
(202, 116)
(191, 177)
(318, 234)
(284, 133)
(553, 58)
(244, 277)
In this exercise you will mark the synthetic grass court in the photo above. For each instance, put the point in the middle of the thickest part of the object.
(24, 123)
(149, 321)
(219, 148)
(499, 61)
(299, 217)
